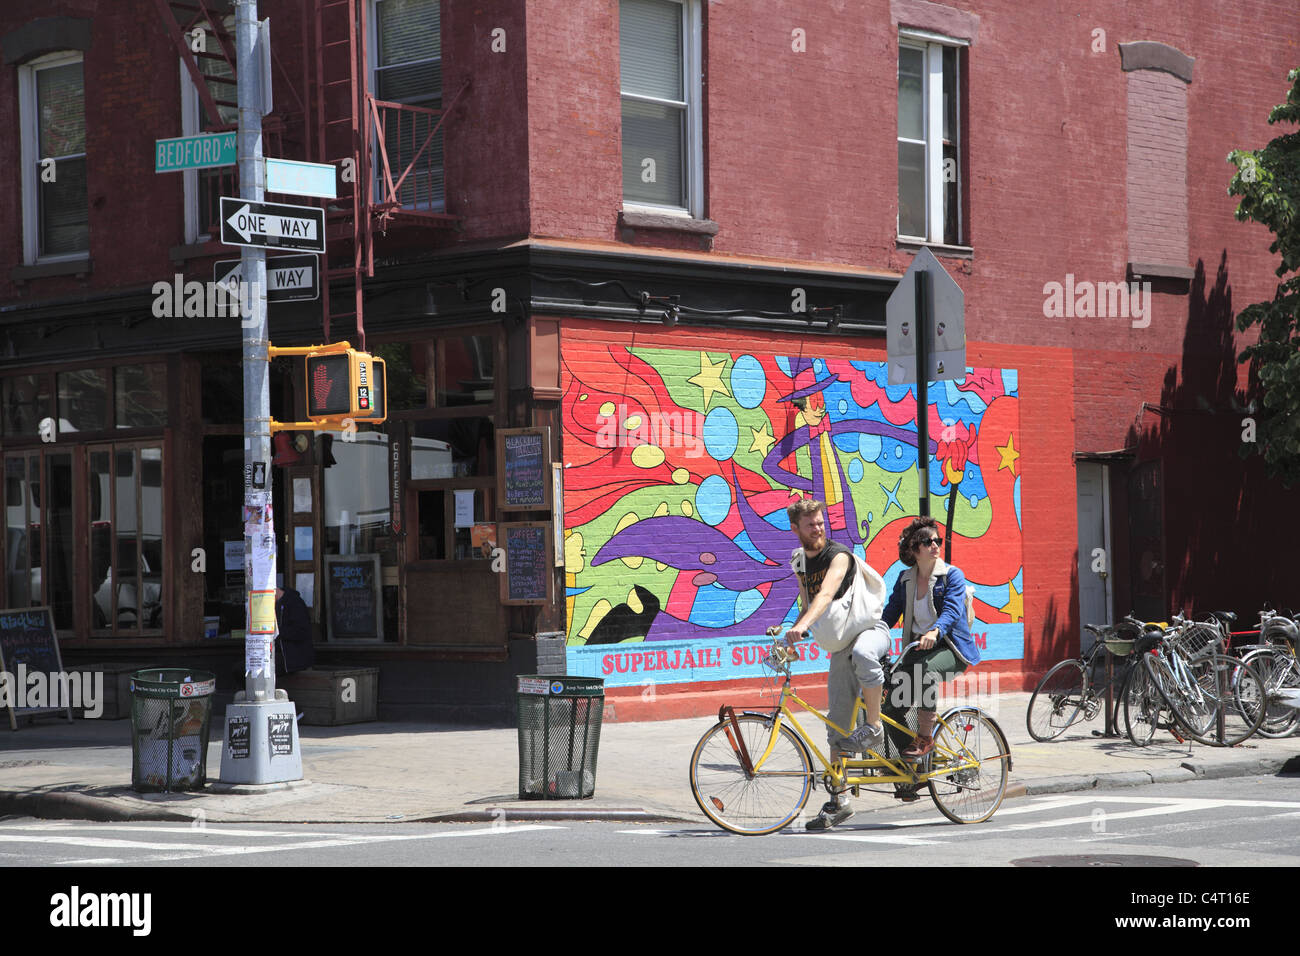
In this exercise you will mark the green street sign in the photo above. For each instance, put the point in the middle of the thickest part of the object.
(194, 152)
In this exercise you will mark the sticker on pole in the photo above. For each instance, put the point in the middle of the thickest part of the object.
(533, 685)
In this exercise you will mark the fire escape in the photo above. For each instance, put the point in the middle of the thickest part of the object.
(385, 151)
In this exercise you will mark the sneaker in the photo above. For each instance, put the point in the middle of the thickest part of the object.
(866, 738)
(833, 814)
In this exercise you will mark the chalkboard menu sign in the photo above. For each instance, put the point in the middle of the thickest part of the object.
(524, 469)
(529, 564)
(28, 645)
(354, 609)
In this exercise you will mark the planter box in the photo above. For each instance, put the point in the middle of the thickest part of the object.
(326, 698)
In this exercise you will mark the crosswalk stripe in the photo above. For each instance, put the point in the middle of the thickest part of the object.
(184, 850)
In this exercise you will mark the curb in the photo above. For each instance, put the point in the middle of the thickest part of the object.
(1133, 778)
(517, 814)
(77, 806)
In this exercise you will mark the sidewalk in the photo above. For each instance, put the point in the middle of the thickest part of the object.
(403, 772)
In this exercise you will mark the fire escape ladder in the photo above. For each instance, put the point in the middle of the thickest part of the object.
(178, 18)
(341, 63)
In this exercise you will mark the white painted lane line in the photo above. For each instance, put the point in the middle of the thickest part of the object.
(893, 838)
(96, 861)
(207, 828)
(1089, 819)
(198, 849)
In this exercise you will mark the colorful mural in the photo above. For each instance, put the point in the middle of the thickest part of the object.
(679, 466)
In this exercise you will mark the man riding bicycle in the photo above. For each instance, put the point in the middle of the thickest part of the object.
(827, 572)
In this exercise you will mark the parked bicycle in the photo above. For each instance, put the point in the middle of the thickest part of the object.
(1075, 690)
(1216, 699)
(752, 772)
(1274, 659)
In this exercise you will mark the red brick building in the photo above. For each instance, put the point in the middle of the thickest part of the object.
(663, 231)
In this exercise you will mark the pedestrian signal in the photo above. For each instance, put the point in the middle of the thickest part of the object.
(346, 384)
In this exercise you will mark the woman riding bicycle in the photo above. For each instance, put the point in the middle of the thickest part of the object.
(930, 596)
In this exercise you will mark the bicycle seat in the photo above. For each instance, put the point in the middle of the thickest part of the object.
(1227, 617)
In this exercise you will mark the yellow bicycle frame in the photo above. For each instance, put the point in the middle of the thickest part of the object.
(899, 771)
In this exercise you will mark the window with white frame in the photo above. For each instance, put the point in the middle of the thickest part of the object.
(205, 187)
(929, 149)
(56, 222)
(660, 70)
(407, 53)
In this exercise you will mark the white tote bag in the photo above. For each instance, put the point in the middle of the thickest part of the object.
(858, 609)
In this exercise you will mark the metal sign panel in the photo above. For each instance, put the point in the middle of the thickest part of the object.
(946, 334)
(300, 179)
(288, 278)
(269, 225)
(194, 152)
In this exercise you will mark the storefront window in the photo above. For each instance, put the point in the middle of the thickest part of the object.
(356, 486)
(407, 368)
(26, 401)
(83, 400)
(126, 543)
(38, 533)
(468, 370)
(140, 396)
(451, 448)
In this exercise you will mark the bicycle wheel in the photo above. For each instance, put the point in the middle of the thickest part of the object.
(1185, 699)
(751, 805)
(970, 794)
(1235, 690)
(1277, 669)
(1141, 706)
(1058, 701)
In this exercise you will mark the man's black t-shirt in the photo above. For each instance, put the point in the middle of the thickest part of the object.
(816, 568)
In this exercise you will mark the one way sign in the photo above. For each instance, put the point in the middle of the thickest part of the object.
(288, 278)
(269, 225)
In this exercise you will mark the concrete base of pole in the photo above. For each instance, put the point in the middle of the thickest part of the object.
(261, 744)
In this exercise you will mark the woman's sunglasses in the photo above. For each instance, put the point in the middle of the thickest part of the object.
(929, 541)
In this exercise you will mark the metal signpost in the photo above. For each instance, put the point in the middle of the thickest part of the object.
(925, 336)
(261, 743)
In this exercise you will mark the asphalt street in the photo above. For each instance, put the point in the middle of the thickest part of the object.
(1249, 821)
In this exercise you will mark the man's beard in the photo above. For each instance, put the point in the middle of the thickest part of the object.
(812, 543)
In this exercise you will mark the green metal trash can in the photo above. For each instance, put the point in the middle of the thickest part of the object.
(171, 714)
(559, 736)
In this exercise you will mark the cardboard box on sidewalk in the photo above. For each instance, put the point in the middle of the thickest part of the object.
(330, 697)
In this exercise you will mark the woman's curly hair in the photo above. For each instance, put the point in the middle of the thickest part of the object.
(917, 530)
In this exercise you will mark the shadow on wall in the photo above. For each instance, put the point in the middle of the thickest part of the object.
(1218, 510)
(1054, 639)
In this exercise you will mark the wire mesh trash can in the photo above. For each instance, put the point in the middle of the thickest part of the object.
(559, 735)
(171, 713)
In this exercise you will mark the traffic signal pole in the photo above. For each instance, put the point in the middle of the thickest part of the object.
(261, 742)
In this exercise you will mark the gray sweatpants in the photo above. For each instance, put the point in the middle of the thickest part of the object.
(853, 668)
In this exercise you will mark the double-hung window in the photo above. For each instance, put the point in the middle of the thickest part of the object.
(930, 170)
(408, 70)
(56, 223)
(659, 49)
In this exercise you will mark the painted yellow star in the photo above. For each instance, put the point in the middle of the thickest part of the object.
(763, 440)
(710, 379)
(1008, 453)
(1015, 607)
